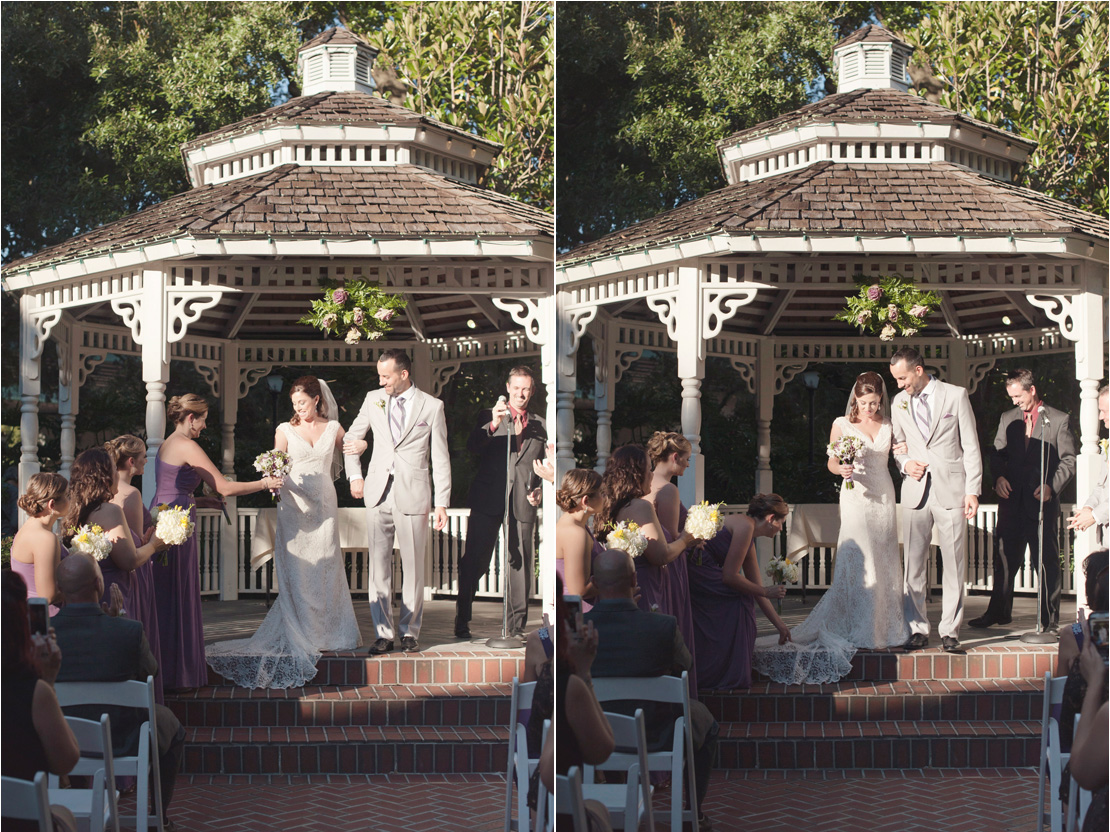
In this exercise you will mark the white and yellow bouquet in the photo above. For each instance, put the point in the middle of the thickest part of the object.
(627, 537)
(91, 540)
(173, 524)
(783, 570)
(274, 464)
(704, 521)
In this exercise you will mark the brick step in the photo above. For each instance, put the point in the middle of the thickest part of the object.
(1002, 661)
(318, 705)
(980, 699)
(879, 745)
(428, 668)
(345, 750)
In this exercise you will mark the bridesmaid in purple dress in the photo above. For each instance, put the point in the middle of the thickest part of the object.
(36, 550)
(128, 454)
(182, 465)
(725, 585)
(627, 479)
(92, 486)
(579, 496)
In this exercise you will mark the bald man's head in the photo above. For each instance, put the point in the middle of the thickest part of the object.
(614, 574)
(79, 579)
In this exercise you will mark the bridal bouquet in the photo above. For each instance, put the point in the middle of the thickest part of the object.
(704, 521)
(783, 570)
(172, 524)
(274, 464)
(627, 537)
(845, 450)
(91, 540)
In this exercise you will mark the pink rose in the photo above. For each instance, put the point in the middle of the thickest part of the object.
(357, 315)
(863, 317)
(339, 296)
(919, 311)
(892, 312)
(874, 292)
(353, 336)
(384, 314)
(329, 320)
(887, 334)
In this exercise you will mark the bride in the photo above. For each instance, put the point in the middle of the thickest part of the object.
(313, 611)
(863, 607)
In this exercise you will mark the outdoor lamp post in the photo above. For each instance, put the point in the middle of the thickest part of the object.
(811, 378)
(275, 383)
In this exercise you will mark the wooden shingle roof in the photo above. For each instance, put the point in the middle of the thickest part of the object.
(831, 197)
(403, 201)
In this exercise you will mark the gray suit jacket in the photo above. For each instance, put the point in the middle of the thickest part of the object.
(1021, 465)
(424, 438)
(951, 449)
(1096, 502)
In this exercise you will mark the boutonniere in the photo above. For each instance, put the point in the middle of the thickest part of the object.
(904, 404)
(1102, 443)
(380, 403)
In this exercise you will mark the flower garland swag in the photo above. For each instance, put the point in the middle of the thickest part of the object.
(354, 311)
(888, 305)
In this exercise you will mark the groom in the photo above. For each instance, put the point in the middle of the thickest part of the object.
(406, 424)
(943, 473)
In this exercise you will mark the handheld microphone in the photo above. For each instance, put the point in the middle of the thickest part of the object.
(1041, 414)
(501, 399)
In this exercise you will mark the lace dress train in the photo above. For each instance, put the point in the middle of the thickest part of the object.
(313, 610)
(863, 607)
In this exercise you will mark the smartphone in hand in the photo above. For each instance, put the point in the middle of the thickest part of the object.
(1099, 623)
(574, 606)
(39, 615)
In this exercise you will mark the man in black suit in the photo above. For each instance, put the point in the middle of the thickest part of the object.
(97, 647)
(490, 442)
(1026, 433)
(632, 642)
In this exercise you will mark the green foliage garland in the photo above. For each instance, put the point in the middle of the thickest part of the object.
(354, 311)
(888, 305)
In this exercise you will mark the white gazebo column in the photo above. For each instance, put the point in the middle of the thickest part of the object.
(230, 392)
(764, 408)
(566, 381)
(685, 327)
(68, 392)
(606, 372)
(30, 386)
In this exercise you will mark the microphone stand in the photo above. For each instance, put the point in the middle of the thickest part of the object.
(506, 641)
(1039, 636)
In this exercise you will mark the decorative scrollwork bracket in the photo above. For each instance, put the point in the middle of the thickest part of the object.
(721, 304)
(526, 312)
(1061, 310)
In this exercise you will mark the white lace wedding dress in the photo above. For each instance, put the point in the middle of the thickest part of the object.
(313, 610)
(863, 607)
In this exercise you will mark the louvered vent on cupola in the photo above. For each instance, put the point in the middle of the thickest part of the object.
(871, 59)
(336, 61)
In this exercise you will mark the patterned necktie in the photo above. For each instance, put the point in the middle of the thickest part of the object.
(923, 414)
(397, 419)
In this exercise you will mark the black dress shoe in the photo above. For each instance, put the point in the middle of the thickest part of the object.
(986, 620)
(951, 644)
(382, 645)
(409, 644)
(462, 628)
(918, 641)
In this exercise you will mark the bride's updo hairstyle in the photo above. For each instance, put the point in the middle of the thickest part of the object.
(40, 491)
(123, 448)
(663, 443)
(866, 383)
(310, 386)
(623, 481)
(181, 407)
(90, 486)
(579, 483)
(764, 504)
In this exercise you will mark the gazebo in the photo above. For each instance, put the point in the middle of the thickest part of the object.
(873, 180)
(336, 184)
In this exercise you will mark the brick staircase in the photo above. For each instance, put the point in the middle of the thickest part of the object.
(431, 712)
(928, 709)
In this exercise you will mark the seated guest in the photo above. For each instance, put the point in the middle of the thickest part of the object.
(1089, 764)
(637, 643)
(36, 735)
(105, 648)
(36, 550)
(579, 497)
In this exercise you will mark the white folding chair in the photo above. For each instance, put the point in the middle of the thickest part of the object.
(544, 811)
(1079, 800)
(668, 690)
(143, 766)
(568, 799)
(1052, 760)
(519, 763)
(24, 800)
(628, 802)
(95, 805)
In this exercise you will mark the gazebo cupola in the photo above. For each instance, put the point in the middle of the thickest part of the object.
(337, 123)
(873, 119)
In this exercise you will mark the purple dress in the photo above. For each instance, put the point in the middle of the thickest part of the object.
(27, 572)
(724, 620)
(144, 606)
(678, 604)
(560, 569)
(177, 588)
